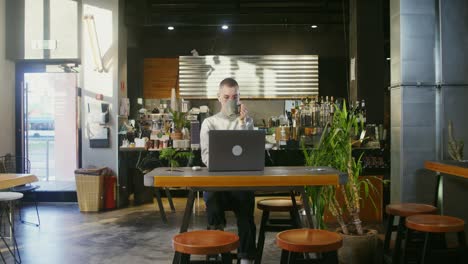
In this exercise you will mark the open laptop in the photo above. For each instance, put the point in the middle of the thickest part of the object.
(236, 150)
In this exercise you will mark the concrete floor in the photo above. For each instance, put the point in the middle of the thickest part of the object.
(131, 235)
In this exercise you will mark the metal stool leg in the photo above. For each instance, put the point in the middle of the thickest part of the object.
(397, 250)
(426, 248)
(261, 237)
(462, 247)
(284, 256)
(184, 258)
(226, 258)
(388, 233)
(15, 250)
(37, 211)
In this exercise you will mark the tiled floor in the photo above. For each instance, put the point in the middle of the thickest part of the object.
(131, 235)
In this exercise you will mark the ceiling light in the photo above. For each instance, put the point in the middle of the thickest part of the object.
(225, 27)
(314, 26)
(388, 58)
(170, 28)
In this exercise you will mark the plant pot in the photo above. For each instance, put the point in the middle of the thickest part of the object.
(176, 135)
(359, 249)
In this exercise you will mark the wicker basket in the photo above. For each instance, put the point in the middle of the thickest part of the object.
(90, 190)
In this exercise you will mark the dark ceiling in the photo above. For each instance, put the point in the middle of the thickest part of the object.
(161, 13)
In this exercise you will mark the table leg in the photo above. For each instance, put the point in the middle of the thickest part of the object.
(305, 201)
(296, 209)
(439, 193)
(160, 205)
(169, 198)
(188, 211)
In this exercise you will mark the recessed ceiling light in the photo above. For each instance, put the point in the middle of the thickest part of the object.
(170, 28)
(314, 26)
(225, 27)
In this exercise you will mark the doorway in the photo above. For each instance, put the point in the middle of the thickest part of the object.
(48, 122)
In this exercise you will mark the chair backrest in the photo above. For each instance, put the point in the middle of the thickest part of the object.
(14, 164)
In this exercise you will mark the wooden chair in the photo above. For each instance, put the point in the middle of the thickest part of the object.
(205, 242)
(274, 224)
(401, 210)
(432, 225)
(297, 242)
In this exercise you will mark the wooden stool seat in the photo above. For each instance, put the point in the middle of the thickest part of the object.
(434, 227)
(408, 209)
(277, 204)
(435, 223)
(309, 240)
(205, 242)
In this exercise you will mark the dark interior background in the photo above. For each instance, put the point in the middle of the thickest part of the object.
(256, 28)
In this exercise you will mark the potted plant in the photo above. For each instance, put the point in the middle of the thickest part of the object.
(335, 150)
(178, 119)
(172, 155)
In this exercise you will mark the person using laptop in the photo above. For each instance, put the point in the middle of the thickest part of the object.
(233, 116)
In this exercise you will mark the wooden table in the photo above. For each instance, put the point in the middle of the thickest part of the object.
(452, 167)
(272, 178)
(9, 180)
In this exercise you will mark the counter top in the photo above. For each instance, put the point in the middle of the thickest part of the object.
(451, 167)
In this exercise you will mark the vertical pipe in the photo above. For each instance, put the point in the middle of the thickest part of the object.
(439, 117)
(46, 22)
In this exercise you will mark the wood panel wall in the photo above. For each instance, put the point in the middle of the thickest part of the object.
(160, 75)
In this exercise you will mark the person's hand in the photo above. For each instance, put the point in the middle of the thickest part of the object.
(243, 112)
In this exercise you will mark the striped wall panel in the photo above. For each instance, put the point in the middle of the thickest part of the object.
(269, 76)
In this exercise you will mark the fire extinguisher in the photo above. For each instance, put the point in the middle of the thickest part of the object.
(110, 191)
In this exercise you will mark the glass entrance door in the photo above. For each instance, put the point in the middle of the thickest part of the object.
(50, 124)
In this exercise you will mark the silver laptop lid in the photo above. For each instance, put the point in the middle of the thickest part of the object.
(236, 150)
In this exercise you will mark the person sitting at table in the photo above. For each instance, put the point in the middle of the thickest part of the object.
(241, 202)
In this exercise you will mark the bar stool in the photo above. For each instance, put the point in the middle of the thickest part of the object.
(7, 200)
(402, 210)
(274, 224)
(205, 242)
(431, 225)
(296, 242)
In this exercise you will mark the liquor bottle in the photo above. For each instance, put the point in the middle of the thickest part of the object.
(363, 111)
(357, 111)
(325, 111)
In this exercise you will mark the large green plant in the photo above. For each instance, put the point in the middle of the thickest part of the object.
(335, 150)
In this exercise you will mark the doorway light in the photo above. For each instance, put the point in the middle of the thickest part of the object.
(93, 38)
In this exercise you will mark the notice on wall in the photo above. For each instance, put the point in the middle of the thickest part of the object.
(352, 70)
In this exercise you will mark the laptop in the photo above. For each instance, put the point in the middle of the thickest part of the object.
(236, 150)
